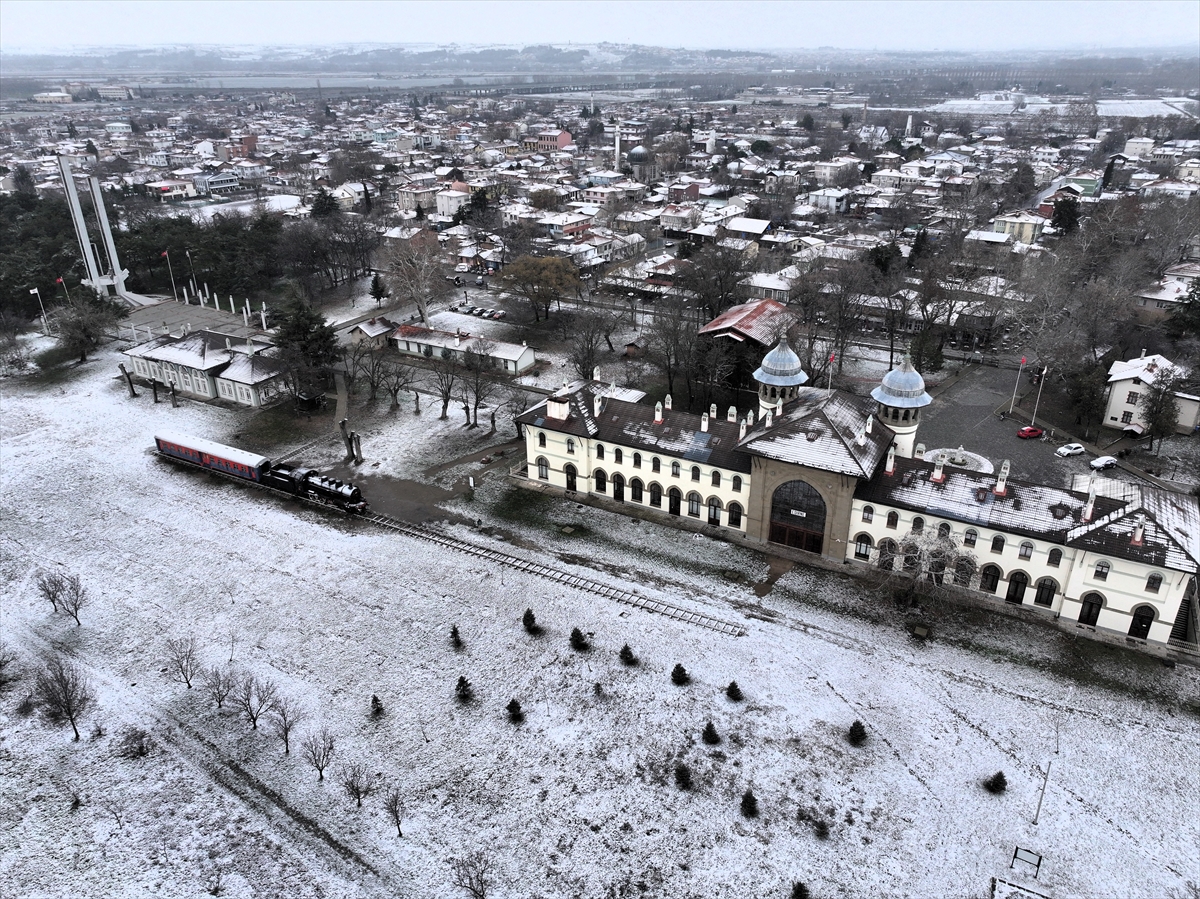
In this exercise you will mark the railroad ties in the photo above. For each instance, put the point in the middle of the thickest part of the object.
(555, 574)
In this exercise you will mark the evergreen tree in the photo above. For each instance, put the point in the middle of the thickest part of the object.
(379, 290)
(997, 783)
(799, 890)
(515, 715)
(857, 735)
(462, 690)
(529, 622)
(627, 657)
(749, 805)
(1066, 215)
(734, 692)
(324, 205)
(1185, 319)
(683, 776)
(679, 676)
(710, 735)
(455, 639)
(579, 642)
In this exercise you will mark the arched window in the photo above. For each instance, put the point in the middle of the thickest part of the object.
(1055, 558)
(674, 469)
(1026, 551)
(1102, 570)
(893, 520)
(695, 472)
(635, 490)
(734, 515)
(970, 537)
(714, 511)
(1089, 610)
(989, 579)
(601, 481)
(570, 447)
(541, 439)
(637, 460)
(599, 450)
(655, 465)
(868, 514)
(1153, 583)
(918, 525)
(716, 479)
(737, 484)
(862, 547)
(887, 554)
(656, 495)
(1046, 589)
(543, 468)
(1143, 617)
(694, 505)
(569, 471)
(943, 530)
(1018, 581)
(618, 456)
(997, 544)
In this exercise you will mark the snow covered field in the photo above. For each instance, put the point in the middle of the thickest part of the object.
(580, 799)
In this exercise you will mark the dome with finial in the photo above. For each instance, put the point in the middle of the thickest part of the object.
(903, 387)
(637, 155)
(781, 367)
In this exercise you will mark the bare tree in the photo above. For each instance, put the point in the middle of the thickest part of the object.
(356, 781)
(396, 376)
(220, 682)
(445, 378)
(8, 666)
(74, 597)
(255, 697)
(318, 750)
(183, 656)
(473, 873)
(415, 273)
(475, 382)
(393, 804)
(50, 586)
(64, 692)
(587, 335)
(285, 714)
(516, 400)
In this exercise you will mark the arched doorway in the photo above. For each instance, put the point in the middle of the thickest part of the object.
(1017, 582)
(1143, 617)
(887, 554)
(989, 579)
(655, 495)
(618, 483)
(798, 516)
(1089, 611)
(673, 500)
(569, 471)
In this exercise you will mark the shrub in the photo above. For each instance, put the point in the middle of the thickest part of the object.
(598, 688)
(515, 715)
(627, 657)
(530, 623)
(799, 890)
(135, 743)
(455, 639)
(749, 805)
(997, 783)
(683, 776)
(462, 690)
(857, 735)
(376, 707)
(821, 829)
(579, 642)
(679, 676)
(734, 692)
(710, 735)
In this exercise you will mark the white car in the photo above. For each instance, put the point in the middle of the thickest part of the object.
(1069, 449)
(1100, 463)
(462, 267)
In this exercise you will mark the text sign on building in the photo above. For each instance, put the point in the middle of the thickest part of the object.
(799, 514)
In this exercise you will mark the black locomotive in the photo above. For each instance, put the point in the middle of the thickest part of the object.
(303, 482)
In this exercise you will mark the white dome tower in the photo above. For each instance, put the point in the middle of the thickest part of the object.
(779, 376)
(901, 398)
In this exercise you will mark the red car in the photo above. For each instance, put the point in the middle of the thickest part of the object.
(1027, 432)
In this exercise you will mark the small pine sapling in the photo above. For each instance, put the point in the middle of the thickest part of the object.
(683, 776)
(462, 690)
(821, 829)
(529, 622)
(579, 642)
(376, 707)
(515, 714)
(749, 805)
(455, 639)
(799, 890)
(710, 735)
(857, 735)
(734, 692)
(679, 676)
(997, 783)
(627, 657)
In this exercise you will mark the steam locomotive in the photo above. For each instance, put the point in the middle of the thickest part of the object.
(303, 482)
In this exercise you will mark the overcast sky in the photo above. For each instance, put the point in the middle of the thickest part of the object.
(33, 25)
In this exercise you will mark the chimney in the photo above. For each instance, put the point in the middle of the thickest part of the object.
(596, 373)
(750, 417)
(742, 431)
(667, 403)
(712, 411)
(658, 415)
(1090, 509)
(939, 475)
(1143, 356)
(704, 422)
(597, 405)
(1139, 531)
(779, 408)
(457, 340)
(228, 346)
(557, 408)
(767, 419)
(731, 415)
(870, 423)
(919, 451)
(1001, 488)
(890, 468)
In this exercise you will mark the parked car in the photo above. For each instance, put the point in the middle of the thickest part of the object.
(1102, 463)
(1029, 432)
(462, 267)
(479, 282)
(1069, 449)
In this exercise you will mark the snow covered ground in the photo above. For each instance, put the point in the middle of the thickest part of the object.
(580, 799)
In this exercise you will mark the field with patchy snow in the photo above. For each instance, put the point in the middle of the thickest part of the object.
(580, 799)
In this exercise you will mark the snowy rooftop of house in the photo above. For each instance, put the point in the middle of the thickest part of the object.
(1147, 368)
(761, 321)
(198, 350)
(375, 326)
(462, 341)
(823, 429)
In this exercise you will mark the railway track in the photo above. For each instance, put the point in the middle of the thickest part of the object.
(430, 535)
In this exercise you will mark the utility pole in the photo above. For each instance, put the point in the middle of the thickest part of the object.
(1016, 385)
(1038, 813)
(1037, 402)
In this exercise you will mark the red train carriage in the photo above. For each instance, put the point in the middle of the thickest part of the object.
(208, 454)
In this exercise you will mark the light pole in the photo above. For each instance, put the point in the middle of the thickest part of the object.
(167, 255)
(1041, 384)
(1016, 385)
(45, 323)
(192, 267)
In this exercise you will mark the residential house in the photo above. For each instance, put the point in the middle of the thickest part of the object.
(1125, 403)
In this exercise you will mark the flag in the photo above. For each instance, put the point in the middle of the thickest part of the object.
(58, 280)
(32, 292)
(831, 355)
(1022, 360)
(1044, 370)
(164, 253)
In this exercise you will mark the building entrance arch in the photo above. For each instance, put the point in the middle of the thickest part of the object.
(618, 483)
(674, 497)
(569, 471)
(798, 516)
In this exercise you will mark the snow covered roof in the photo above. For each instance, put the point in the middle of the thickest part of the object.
(1147, 368)
(206, 351)
(760, 321)
(823, 429)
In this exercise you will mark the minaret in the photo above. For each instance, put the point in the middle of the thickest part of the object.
(901, 398)
(779, 377)
(617, 147)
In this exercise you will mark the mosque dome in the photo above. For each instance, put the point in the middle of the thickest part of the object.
(638, 155)
(902, 388)
(781, 367)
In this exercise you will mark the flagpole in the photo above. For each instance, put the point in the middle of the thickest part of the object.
(1041, 384)
(167, 253)
(45, 321)
(1016, 385)
(829, 383)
